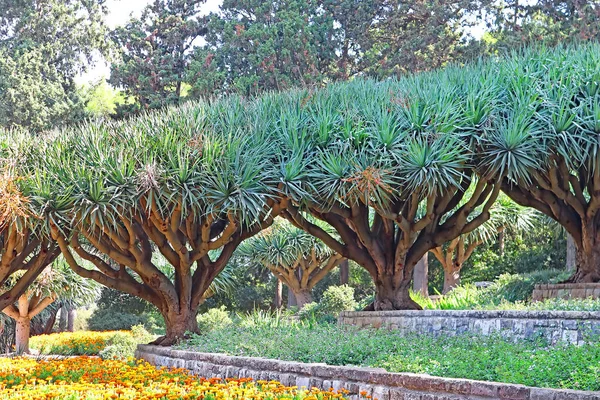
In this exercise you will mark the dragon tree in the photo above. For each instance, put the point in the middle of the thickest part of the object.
(25, 246)
(391, 167)
(296, 258)
(546, 142)
(189, 183)
(505, 216)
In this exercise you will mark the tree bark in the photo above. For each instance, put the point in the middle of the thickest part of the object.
(62, 319)
(389, 296)
(177, 325)
(22, 332)
(451, 278)
(420, 276)
(303, 297)
(588, 263)
(50, 322)
(71, 315)
(344, 272)
(278, 294)
(389, 241)
(571, 262)
(291, 298)
(501, 242)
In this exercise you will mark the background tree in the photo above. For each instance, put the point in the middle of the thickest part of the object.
(44, 45)
(514, 24)
(504, 215)
(296, 258)
(257, 46)
(154, 52)
(57, 281)
(413, 36)
(174, 183)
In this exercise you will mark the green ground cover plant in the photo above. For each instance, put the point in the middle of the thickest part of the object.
(493, 358)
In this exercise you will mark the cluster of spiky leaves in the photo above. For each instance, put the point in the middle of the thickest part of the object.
(196, 157)
(283, 245)
(365, 141)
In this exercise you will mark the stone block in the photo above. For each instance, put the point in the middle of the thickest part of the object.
(513, 392)
(541, 394)
(397, 394)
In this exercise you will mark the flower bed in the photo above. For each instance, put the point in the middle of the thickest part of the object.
(89, 378)
(73, 343)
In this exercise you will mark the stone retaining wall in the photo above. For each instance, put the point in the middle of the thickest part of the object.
(566, 326)
(566, 291)
(376, 382)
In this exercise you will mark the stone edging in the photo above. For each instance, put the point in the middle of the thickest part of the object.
(574, 327)
(375, 381)
(480, 314)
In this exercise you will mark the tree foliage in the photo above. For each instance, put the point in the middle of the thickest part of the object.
(292, 255)
(44, 45)
(154, 51)
(257, 46)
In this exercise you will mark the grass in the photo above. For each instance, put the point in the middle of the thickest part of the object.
(532, 363)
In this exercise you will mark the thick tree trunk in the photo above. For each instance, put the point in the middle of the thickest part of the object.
(588, 264)
(451, 279)
(303, 297)
(278, 294)
(50, 322)
(344, 272)
(291, 298)
(501, 242)
(420, 276)
(392, 297)
(62, 321)
(571, 253)
(22, 332)
(177, 324)
(71, 315)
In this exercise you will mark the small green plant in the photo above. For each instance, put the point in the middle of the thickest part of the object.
(140, 334)
(215, 318)
(120, 346)
(334, 300)
(337, 299)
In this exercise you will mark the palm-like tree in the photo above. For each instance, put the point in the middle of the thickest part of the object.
(547, 142)
(24, 242)
(296, 258)
(505, 216)
(188, 183)
(56, 282)
(365, 157)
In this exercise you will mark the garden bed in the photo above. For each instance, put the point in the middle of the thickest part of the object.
(492, 358)
(85, 378)
(356, 382)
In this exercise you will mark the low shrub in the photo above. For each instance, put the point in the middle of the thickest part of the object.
(337, 299)
(215, 318)
(113, 320)
(120, 346)
(334, 300)
(73, 343)
(519, 287)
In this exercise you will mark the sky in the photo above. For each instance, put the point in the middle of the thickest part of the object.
(119, 12)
